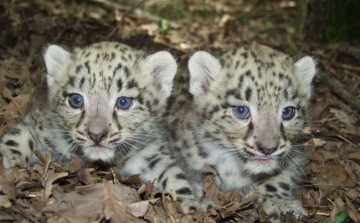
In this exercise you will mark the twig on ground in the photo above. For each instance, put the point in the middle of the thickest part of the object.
(337, 89)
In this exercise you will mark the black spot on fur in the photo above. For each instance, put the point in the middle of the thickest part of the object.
(71, 81)
(162, 174)
(249, 131)
(154, 162)
(82, 82)
(164, 183)
(31, 145)
(140, 99)
(88, 67)
(13, 151)
(118, 67)
(78, 68)
(127, 72)
(11, 143)
(184, 190)
(132, 84)
(247, 94)
(119, 85)
(181, 176)
(270, 188)
(284, 186)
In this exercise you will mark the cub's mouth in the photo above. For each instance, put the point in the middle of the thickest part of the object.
(98, 149)
(97, 152)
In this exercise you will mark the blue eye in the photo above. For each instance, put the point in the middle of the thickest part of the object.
(124, 103)
(241, 112)
(76, 101)
(288, 113)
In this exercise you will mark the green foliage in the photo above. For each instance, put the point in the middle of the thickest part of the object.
(340, 218)
(163, 29)
(343, 21)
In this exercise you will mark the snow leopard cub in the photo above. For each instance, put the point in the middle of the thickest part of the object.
(103, 102)
(244, 115)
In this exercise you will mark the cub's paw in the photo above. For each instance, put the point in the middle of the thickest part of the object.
(274, 207)
(12, 160)
(190, 206)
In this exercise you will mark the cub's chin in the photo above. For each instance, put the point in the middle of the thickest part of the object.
(99, 153)
(261, 165)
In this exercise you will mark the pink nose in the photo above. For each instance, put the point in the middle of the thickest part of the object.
(97, 137)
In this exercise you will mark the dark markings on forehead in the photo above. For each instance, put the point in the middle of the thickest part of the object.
(245, 55)
(106, 56)
(113, 55)
(119, 85)
(78, 68)
(127, 72)
(132, 84)
(88, 67)
(88, 54)
(71, 81)
(286, 94)
(237, 64)
(248, 94)
(259, 72)
(118, 67)
(97, 58)
(281, 76)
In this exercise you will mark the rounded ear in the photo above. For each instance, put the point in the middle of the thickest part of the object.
(203, 68)
(163, 67)
(306, 70)
(55, 59)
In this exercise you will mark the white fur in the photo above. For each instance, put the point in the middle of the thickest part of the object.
(306, 68)
(55, 59)
(203, 68)
(163, 66)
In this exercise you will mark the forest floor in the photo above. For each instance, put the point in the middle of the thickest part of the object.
(71, 193)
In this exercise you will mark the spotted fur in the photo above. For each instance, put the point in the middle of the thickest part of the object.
(259, 149)
(104, 102)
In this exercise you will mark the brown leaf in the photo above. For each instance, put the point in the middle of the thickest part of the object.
(211, 190)
(72, 166)
(138, 209)
(85, 176)
(17, 107)
(339, 206)
(134, 179)
(4, 201)
(115, 205)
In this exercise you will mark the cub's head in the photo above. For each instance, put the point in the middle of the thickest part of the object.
(252, 103)
(106, 99)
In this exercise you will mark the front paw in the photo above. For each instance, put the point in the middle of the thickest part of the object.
(274, 208)
(10, 159)
(189, 206)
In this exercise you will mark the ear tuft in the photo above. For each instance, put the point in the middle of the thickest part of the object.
(163, 67)
(306, 70)
(203, 68)
(55, 59)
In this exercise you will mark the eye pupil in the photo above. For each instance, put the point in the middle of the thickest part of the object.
(124, 103)
(241, 112)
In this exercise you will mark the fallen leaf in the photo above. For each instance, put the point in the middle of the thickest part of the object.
(138, 209)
